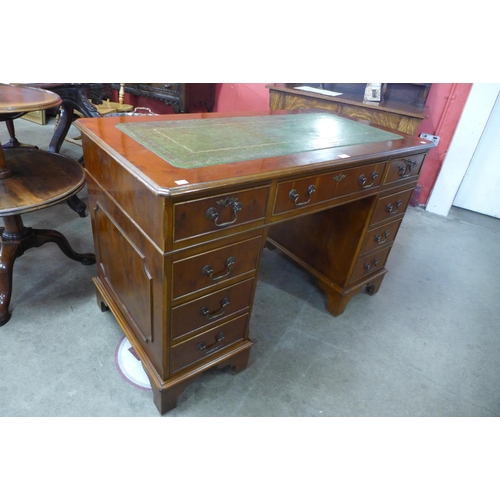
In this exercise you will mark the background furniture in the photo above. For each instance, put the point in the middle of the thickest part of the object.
(403, 106)
(183, 97)
(178, 247)
(30, 180)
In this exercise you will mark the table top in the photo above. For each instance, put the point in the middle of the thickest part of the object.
(39, 179)
(22, 99)
(160, 174)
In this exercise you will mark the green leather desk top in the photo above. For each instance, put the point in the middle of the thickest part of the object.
(213, 141)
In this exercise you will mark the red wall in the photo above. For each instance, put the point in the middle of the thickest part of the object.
(445, 102)
(241, 97)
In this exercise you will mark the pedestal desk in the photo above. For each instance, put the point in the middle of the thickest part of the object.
(183, 205)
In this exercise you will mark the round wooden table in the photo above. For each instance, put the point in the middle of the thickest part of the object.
(31, 179)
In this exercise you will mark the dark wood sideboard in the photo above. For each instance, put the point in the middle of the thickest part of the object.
(183, 97)
(178, 249)
(402, 107)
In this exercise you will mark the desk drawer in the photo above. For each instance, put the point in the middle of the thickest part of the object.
(369, 264)
(404, 169)
(293, 195)
(208, 343)
(380, 236)
(223, 211)
(211, 308)
(391, 206)
(208, 269)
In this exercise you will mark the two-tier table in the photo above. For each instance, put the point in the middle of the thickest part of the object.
(30, 179)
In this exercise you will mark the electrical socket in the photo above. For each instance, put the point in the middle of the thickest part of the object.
(429, 137)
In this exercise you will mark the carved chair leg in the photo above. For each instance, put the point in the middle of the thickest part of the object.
(77, 205)
(62, 127)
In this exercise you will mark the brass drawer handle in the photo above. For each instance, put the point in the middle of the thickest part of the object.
(393, 209)
(378, 239)
(212, 213)
(211, 348)
(362, 180)
(209, 270)
(205, 311)
(293, 195)
(372, 266)
(405, 170)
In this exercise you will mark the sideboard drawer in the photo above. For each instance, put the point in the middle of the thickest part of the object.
(380, 236)
(369, 264)
(211, 308)
(292, 195)
(403, 169)
(391, 206)
(208, 343)
(216, 266)
(206, 215)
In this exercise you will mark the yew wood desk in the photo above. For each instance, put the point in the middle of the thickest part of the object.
(183, 205)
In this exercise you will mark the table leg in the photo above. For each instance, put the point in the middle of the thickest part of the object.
(8, 254)
(13, 142)
(38, 237)
(15, 240)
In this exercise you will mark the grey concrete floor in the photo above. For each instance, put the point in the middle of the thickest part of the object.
(428, 344)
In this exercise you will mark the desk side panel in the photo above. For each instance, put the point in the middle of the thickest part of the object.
(140, 204)
(131, 269)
